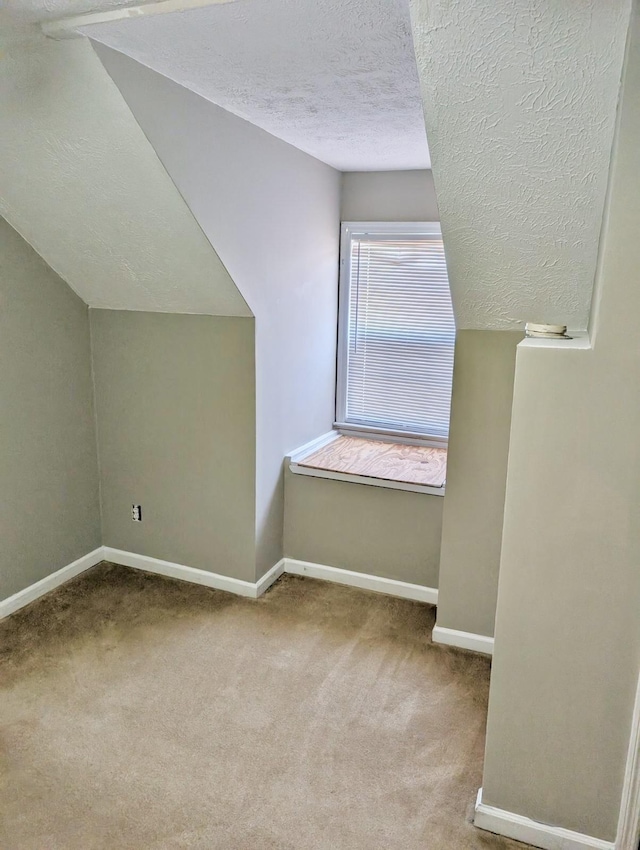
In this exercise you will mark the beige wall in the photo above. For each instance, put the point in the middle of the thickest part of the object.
(389, 196)
(389, 533)
(272, 213)
(176, 434)
(567, 650)
(372, 530)
(476, 479)
(49, 509)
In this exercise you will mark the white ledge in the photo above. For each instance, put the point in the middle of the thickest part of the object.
(579, 341)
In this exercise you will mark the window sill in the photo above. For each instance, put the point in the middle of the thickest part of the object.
(377, 463)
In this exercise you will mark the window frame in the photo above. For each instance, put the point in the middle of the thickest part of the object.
(347, 230)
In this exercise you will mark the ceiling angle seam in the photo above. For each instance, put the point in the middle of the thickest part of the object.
(69, 27)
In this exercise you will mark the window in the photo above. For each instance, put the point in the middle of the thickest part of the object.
(397, 330)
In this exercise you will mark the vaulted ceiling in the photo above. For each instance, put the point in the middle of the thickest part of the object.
(335, 78)
(519, 100)
(520, 103)
(81, 183)
(48, 10)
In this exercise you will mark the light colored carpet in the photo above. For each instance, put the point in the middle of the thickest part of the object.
(378, 459)
(139, 712)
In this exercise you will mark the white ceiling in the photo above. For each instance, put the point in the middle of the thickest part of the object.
(520, 104)
(81, 183)
(47, 10)
(335, 78)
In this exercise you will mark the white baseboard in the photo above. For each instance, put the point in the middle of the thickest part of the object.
(463, 640)
(390, 586)
(269, 578)
(531, 832)
(196, 576)
(629, 820)
(252, 590)
(48, 583)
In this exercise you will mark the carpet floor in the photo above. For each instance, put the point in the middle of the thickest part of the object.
(141, 713)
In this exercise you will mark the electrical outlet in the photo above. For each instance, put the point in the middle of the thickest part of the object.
(136, 513)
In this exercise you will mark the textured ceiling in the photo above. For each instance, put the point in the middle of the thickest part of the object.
(81, 183)
(46, 10)
(520, 99)
(335, 78)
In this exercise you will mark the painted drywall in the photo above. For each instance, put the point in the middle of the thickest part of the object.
(335, 78)
(272, 213)
(82, 185)
(43, 10)
(389, 533)
(519, 99)
(373, 530)
(389, 196)
(49, 510)
(483, 377)
(176, 435)
(567, 642)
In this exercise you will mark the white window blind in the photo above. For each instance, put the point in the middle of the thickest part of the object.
(397, 329)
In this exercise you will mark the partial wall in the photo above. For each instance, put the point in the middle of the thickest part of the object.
(382, 532)
(389, 196)
(175, 398)
(389, 533)
(272, 213)
(49, 508)
(476, 479)
(567, 642)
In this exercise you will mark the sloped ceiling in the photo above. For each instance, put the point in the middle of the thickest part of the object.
(46, 10)
(520, 99)
(335, 78)
(81, 183)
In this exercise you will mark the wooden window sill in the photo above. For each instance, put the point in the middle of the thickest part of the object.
(397, 466)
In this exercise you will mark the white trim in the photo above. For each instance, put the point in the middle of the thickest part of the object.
(390, 586)
(370, 228)
(48, 583)
(68, 27)
(463, 640)
(429, 228)
(313, 472)
(629, 821)
(344, 284)
(368, 432)
(250, 589)
(312, 446)
(576, 340)
(531, 832)
(269, 578)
